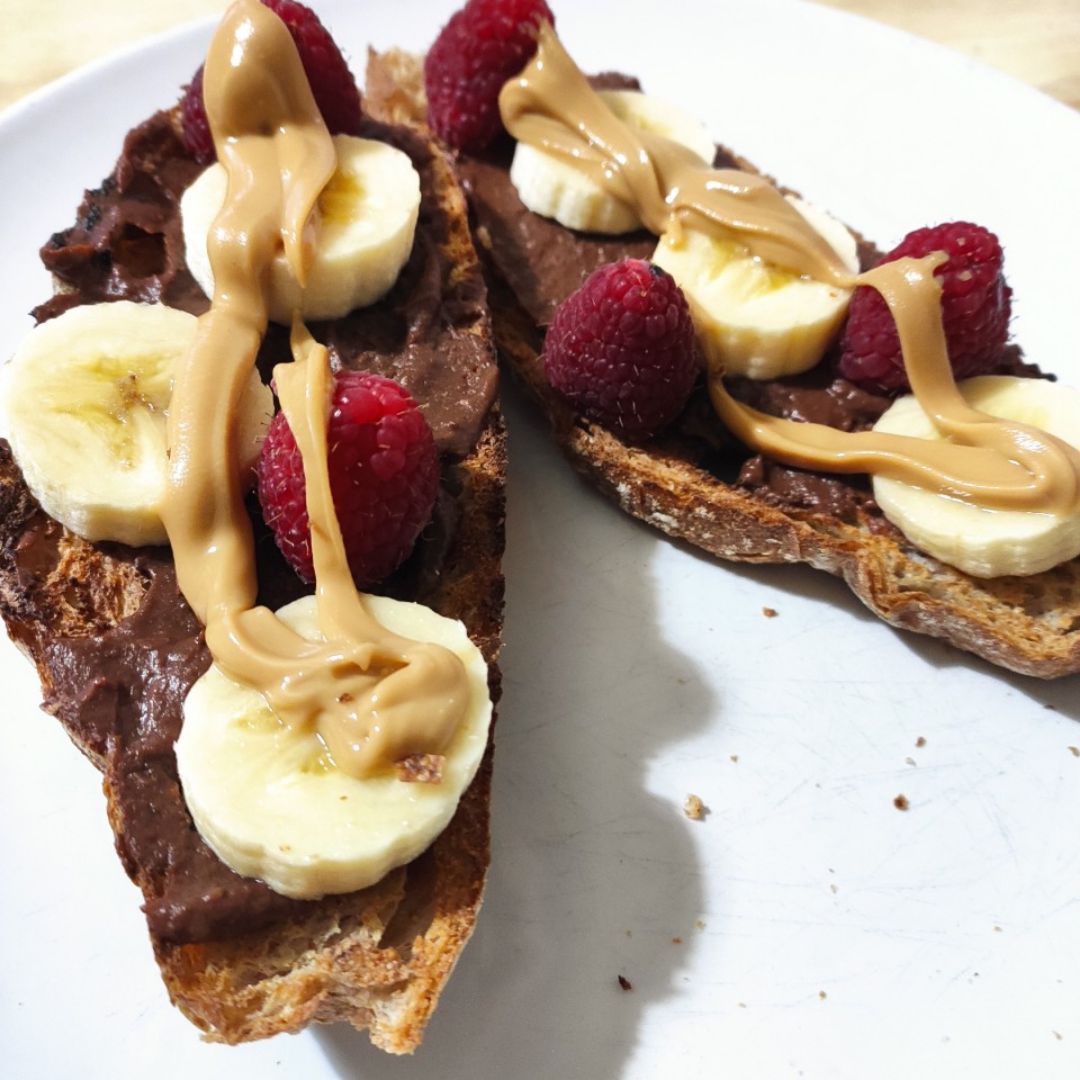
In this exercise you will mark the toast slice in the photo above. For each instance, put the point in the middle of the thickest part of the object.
(694, 484)
(116, 646)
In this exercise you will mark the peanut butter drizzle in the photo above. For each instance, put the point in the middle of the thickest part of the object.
(999, 464)
(372, 696)
(984, 460)
(551, 106)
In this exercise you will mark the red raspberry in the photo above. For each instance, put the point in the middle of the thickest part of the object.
(327, 71)
(622, 348)
(975, 307)
(384, 476)
(483, 45)
(196, 126)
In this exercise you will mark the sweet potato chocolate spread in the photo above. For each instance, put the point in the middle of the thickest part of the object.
(121, 688)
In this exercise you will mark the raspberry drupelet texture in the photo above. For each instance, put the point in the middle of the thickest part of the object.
(384, 476)
(332, 82)
(483, 45)
(975, 307)
(621, 349)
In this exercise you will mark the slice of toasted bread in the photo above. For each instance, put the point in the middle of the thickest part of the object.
(378, 958)
(1029, 625)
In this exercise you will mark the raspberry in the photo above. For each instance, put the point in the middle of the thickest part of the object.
(975, 308)
(384, 476)
(328, 72)
(621, 348)
(332, 82)
(483, 45)
(196, 126)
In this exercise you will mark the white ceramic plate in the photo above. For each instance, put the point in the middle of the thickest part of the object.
(821, 933)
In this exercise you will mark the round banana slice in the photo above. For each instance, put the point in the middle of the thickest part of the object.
(982, 542)
(752, 318)
(271, 804)
(367, 218)
(553, 188)
(85, 401)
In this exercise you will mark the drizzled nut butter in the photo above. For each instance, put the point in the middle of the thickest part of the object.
(982, 460)
(374, 698)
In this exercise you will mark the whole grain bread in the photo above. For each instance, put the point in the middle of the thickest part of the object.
(378, 958)
(1030, 625)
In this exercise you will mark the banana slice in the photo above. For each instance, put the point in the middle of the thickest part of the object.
(85, 400)
(981, 542)
(551, 187)
(367, 219)
(752, 318)
(271, 804)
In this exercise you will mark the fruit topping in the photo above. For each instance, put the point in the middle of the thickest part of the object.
(384, 476)
(193, 119)
(327, 71)
(986, 543)
(367, 221)
(483, 45)
(975, 308)
(85, 401)
(752, 317)
(555, 188)
(272, 801)
(622, 348)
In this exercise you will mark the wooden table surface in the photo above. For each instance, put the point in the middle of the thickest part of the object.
(1036, 40)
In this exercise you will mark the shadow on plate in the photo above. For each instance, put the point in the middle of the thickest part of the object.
(1058, 695)
(593, 875)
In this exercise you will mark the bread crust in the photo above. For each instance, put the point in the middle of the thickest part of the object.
(378, 958)
(1029, 625)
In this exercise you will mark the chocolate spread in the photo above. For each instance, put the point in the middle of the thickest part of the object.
(120, 689)
(131, 681)
(815, 398)
(127, 245)
(541, 261)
